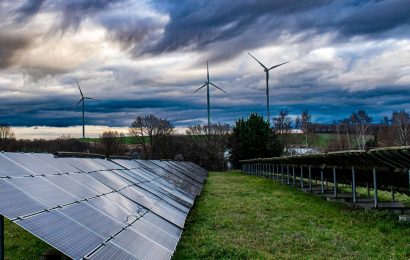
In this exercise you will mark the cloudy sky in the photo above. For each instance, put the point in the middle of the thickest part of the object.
(141, 57)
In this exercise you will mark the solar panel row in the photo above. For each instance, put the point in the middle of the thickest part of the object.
(97, 208)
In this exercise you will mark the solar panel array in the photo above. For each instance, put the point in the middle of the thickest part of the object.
(91, 208)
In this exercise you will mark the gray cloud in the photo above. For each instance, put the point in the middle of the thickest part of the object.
(10, 45)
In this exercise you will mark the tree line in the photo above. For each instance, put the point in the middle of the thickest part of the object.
(211, 147)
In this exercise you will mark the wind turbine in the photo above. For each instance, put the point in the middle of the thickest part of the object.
(207, 83)
(82, 100)
(267, 82)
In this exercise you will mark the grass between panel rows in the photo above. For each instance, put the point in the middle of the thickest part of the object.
(240, 216)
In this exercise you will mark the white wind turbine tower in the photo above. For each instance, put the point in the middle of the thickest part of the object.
(266, 69)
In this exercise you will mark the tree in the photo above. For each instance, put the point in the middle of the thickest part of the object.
(112, 142)
(6, 132)
(282, 126)
(6, 136)
(361, 122)
(206, 146)
(282, 123)
(253, 138)
(303, 122)
(400, 123)
(150, 128)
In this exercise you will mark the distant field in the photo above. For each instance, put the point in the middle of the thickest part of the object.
(240, 217)
(127, 140)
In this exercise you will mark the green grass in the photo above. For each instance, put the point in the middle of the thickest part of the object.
(126, 140)
(19, 244)
(239, 216)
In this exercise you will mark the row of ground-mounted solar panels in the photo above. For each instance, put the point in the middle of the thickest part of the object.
(98, 208)
(392, 165)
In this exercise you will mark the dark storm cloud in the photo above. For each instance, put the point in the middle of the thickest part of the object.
(10, 45)
(243, 25)
(28, 9)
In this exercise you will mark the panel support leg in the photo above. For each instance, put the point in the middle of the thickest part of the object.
(301, 177)
(354, 186)
(288, 173)
(310, 178)
(322, 184)
(1, 237)
(376, 200)
(294, 177)
(334, 183)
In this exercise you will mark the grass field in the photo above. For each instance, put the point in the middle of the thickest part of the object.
(239, 216)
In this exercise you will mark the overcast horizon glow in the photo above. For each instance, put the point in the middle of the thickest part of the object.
(147, 57)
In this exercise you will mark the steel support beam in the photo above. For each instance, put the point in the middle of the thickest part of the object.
(322, 184)
(334, 183)
(288, 173)
(376, 200)
(310, 178)
(1, 237)
(301, 177)
(354, 185)
(294, 177)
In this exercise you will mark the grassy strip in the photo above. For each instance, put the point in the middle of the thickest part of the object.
(20, 244)
(239, 216)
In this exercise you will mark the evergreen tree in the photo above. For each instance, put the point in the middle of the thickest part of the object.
(253, 138)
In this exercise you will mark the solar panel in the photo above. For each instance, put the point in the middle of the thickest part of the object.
(63, 233)
(99, 209)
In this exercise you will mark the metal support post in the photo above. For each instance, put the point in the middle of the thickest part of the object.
(281, 172)
(354, 185)
(334, 183)
(310, 178)
(301, 177)
(294, 177)
(288, 173)
(322, 184)
(1, 237)
(392, 195)
(376, 200)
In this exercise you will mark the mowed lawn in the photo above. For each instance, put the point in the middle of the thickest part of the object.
(239, 216)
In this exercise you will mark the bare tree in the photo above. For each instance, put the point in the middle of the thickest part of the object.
(400, 123)
(282, 123)
(6, 132)
(361, 122)
(112, 142)
(304, 122)
(207, 145)
(150, 129)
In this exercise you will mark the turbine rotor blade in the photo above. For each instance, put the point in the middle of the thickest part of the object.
(201, 87)
(258, 61)
(217, 87)
(277, 65)
(80, 101)
(80, 89)
(90, 98)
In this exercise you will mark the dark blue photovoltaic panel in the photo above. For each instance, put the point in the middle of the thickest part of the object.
(69, 184)
(43, 190)
(14, 203)
(91, 183)
(115, 211)
(62, 233)
(140, 246)
(29, 161)
(10, 168)
(94, 219)
(99, 209)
